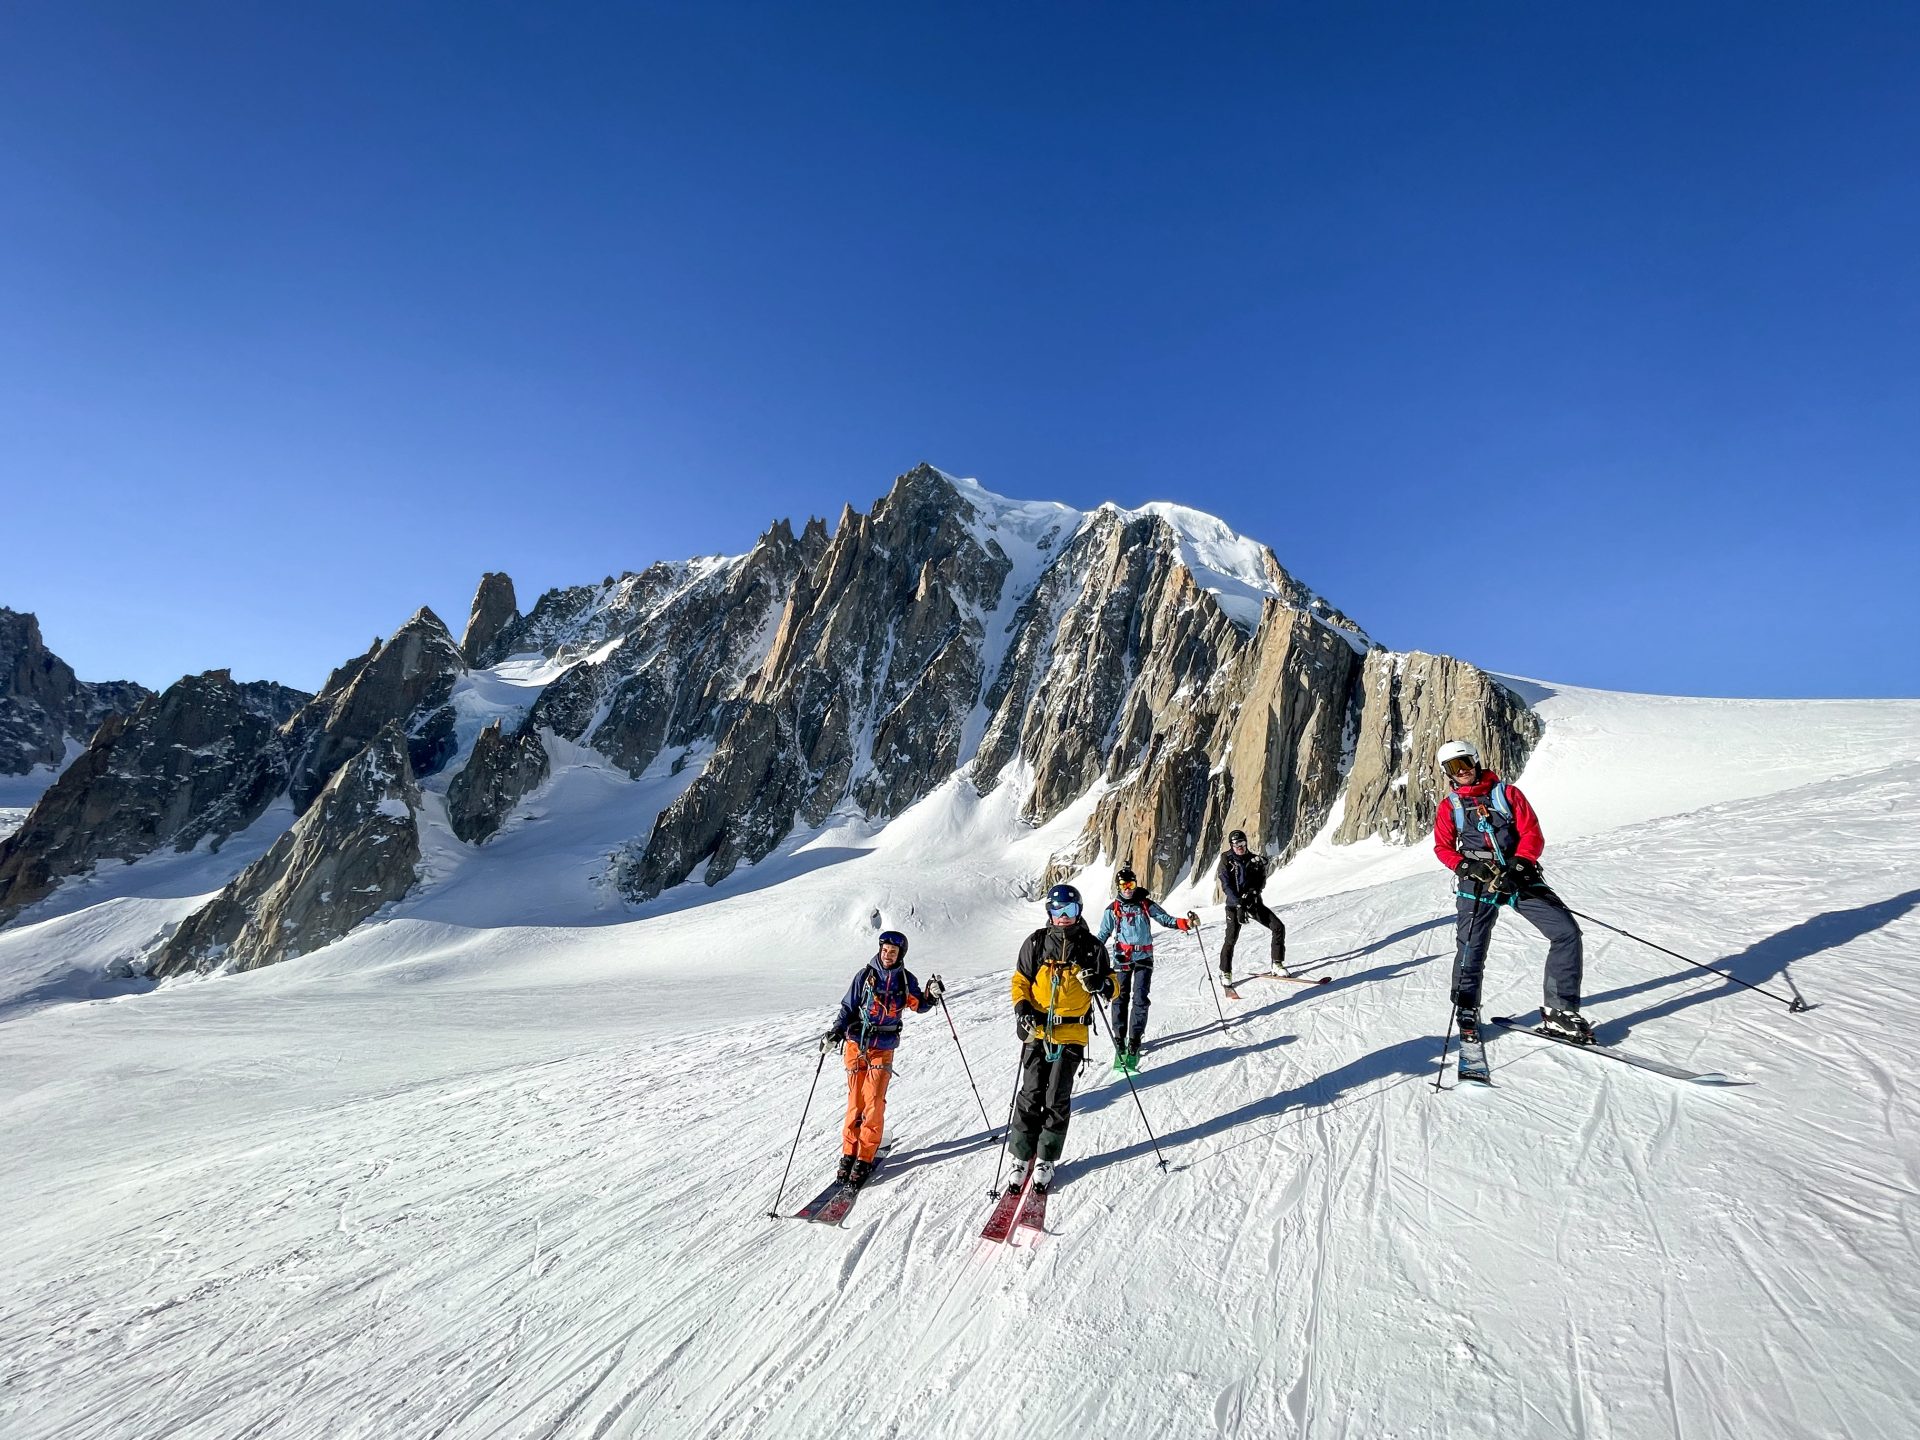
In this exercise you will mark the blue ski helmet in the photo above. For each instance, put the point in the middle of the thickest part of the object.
(1063, 900)
(894, 937)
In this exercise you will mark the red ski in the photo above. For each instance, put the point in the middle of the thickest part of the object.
(1033, 1210)
(1005, 1210)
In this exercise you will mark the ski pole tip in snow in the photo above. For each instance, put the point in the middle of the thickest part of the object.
(1797, 1006)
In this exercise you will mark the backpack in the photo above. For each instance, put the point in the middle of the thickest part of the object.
(1496, 801)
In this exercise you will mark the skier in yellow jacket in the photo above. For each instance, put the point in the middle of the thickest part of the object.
(1061, 972)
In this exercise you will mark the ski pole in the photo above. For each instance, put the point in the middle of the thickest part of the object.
(1207, 965)
(774, 1213)
(1000, 1156)
(1445, 1042)
(1794, 1006)
(969, 1069)
(1095, 1012)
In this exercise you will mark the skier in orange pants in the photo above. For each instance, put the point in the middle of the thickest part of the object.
(867, 1030)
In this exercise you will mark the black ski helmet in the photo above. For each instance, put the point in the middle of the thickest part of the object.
(893, 937)
(1236, 837)
(1060, 897)
(1125, 876)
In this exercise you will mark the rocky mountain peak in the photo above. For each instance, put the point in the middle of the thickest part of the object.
(43, 706)
(494, 610)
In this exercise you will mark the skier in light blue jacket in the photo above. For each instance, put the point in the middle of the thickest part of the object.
(1129, 921)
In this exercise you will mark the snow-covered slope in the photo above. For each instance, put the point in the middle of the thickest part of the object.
(453, 1176)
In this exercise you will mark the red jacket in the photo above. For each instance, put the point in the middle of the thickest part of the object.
(1530, 843)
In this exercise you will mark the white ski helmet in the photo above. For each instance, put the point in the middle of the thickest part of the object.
(1457, 750)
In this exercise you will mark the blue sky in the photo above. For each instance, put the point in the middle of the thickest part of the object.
(1577, 341)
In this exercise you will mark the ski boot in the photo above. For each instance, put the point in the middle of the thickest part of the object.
(1017, 1181)
(1043, 1176)
(1566, 1025)
(1119, 1060)
(845, 1172)
(1133, 1058)
(857, 1175)
(1467, 1017)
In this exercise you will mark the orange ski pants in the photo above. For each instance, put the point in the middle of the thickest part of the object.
(867, 1077)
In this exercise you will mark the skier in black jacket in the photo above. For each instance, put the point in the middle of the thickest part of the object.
(1242, 876)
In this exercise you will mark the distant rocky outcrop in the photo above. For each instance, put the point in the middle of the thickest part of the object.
(43, 705)
(494, 613)
(501, 770)
(681, 671)
(863, 695)
(354, 850)
(409, 679)
(196, 761)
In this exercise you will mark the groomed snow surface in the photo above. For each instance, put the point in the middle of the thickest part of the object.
(459, 1176)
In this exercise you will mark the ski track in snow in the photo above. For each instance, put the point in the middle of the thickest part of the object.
(483, 1181)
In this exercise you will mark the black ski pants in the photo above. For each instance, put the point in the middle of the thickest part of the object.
(1254, 909)
(1044, 1101)
(1547, 913)
(1136, 988)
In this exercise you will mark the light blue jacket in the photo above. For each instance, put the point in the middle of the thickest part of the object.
(1130, 923)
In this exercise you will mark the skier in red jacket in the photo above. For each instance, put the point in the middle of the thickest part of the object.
(1488, 835)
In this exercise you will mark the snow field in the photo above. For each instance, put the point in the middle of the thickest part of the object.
(456, 1177)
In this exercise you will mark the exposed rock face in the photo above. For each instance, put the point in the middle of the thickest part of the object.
(43, 704)
(864, 694)
(501, 770)
(1200, 712)
(494, 612)
(197, 760)
(1410, 704)
(681, 671)
(354, 850)
(1257, 750)
(410, 678)
(580, 618)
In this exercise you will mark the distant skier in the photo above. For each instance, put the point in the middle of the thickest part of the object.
(1061, 971)
(1488, 835)
(1129, 920)
(867, 1029)
(1243, 876)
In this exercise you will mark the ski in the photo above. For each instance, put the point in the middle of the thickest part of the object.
(833, 1204)
(1033, 1210)
(1005, 1210)
(1625, 1057)
(1233, 985)
(1472, 1067)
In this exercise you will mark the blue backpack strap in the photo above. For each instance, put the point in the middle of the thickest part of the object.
(1501, 805)
(1459, 813)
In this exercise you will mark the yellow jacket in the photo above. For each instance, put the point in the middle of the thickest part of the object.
(1057, 964)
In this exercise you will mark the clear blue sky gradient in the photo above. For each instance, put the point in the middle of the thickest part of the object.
(1577, 341)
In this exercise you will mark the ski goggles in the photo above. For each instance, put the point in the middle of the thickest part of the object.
(1126, 885)
(1070, 910)
(1459, 765)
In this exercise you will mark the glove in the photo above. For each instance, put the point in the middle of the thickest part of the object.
(933, 989)
(1525, 873)
(831, 1041)
(1476, 871)
(1193, 920)
(1026, 1022)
